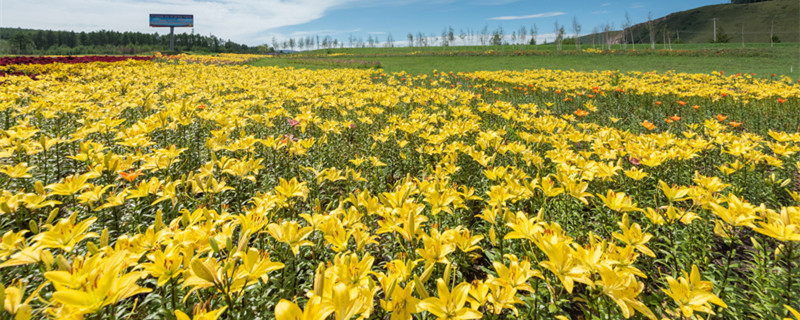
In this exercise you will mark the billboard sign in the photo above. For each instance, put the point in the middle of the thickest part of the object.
(171, 20)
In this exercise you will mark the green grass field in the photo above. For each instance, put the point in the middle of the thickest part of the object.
(783, 59)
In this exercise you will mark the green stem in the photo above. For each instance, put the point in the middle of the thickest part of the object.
(728, 259)
(788, 293)
(174, 296)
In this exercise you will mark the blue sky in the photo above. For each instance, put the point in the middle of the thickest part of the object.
(255, 22)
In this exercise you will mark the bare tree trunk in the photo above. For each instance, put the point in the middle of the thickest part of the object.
(669, 41)
(771, 33)
(652, 31)
(742, 35)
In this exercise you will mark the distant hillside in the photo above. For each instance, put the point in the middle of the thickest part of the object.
(697, 25)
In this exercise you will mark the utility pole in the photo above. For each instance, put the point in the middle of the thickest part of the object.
(715, 29)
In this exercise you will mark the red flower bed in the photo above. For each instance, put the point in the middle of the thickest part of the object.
(17, 73)
(68, 59)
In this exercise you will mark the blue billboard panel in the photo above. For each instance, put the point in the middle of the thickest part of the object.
(171, 20)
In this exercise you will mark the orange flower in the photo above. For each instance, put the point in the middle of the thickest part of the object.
(130, 176)
(658, 103)
(675, 117)
(696, 107)
(558, 91)
(720, 117)
(667, 120)
(734, 124)
(681, 102)
(781, 100)
(649, 126)
(581, 113)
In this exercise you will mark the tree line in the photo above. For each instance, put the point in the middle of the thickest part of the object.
(29, 41)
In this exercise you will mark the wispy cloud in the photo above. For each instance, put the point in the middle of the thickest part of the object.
(606, 4)
(530, 16)
(376, 32)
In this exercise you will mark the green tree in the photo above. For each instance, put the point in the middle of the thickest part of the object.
(20, 42)
(497, 37)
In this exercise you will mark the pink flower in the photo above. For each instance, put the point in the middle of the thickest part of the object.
(293, 122)
(634, 161)
(352, 125)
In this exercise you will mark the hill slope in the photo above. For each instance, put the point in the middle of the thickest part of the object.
(697, 25)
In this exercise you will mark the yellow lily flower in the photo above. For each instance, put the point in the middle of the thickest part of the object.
(450, 305)
(783, 226)
(525, 228)
(201, 314)
(515, 275)
(70, 185)
(562, 263)
(65, 234)
(291, 233)
(18, 171)
(99, 282)
(13, 303)
(290, 189)
(347, 301)
(401, 303)
(165, 264)
(11, 242)
(623, 289)
(435, 248)
(618, 201)
(255, 265)
(632, 235)
(315, 309)
(503, 297)
(692, 294)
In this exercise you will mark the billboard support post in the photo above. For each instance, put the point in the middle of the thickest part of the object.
(171, 21)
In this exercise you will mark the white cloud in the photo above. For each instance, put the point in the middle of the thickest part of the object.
(606, 4)
(243, 21)
(530, 16)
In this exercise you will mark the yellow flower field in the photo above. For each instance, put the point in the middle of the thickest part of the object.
(189, 188)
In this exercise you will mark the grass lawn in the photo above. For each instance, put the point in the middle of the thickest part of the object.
(783, 59)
